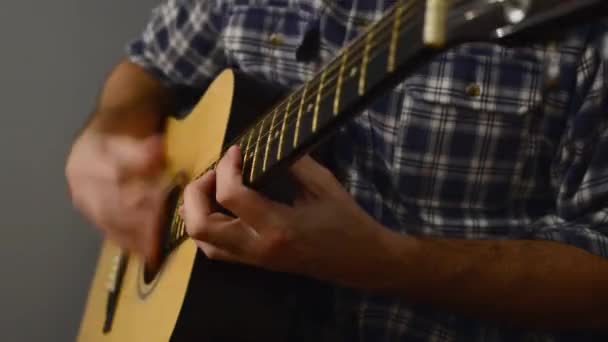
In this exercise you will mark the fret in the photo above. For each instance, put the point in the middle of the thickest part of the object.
(364, 63)
(339, 85)
(307, 118)
(172, 217)
(175, 226)
(289, 128)
(257, 147)
(325, 113)
(246, 154)
(178, 229)
(349, 87)
(176, 218)
(296, 134)
(392, 52)
(175, 229)
(242, 143)
(315, 119)
(375, 69)
(261, 158)
(269, 138)
(170, 237)
(274, 140)
(182, 228)
(285, 119)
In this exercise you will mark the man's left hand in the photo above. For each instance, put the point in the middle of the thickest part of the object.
(324, 234)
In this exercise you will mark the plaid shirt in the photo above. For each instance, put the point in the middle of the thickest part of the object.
(473, 145)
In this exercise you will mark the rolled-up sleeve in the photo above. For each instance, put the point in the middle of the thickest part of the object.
(580, 169)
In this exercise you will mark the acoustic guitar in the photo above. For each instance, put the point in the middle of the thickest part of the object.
(193, 298)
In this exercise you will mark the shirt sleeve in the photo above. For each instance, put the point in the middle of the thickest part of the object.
(580, 168)
(180, 45)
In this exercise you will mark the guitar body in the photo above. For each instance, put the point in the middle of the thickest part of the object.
(193, 298)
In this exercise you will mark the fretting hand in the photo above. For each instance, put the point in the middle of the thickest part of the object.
(325, 234)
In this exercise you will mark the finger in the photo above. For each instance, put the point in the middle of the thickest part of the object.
(203, 225)
(142, 235)
(143, 191)
(136, 244)
(137, 157)
(125, 239)
(215, 253)
(314, 177)
(247, 204)
(230, 234)
(136, 224)
(128, 214)
(198, 198)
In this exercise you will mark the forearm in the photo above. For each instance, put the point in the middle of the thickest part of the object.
(529, 283)
(131, 102)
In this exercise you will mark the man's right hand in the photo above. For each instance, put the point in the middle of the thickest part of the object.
(116, 182)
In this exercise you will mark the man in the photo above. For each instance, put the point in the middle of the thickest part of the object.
(470, 203)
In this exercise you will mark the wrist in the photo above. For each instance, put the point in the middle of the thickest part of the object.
(106, 122)
(402, 251)
(393, 266)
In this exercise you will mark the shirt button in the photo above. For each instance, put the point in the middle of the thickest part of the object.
(275, 39)
(473, 90)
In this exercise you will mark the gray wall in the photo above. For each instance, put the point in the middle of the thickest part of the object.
(53, 58)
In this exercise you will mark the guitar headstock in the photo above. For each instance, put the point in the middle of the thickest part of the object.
(455, 21)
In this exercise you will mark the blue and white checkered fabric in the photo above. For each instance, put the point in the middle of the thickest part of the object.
(474, 145)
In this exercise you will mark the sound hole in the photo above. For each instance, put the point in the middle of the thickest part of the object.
(171, 235)
(150, 274)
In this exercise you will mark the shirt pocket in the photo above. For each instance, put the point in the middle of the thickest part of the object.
(261, 39)
(465, 126)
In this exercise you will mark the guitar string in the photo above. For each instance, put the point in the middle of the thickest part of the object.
(291, 122)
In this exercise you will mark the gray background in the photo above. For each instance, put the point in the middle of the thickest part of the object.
(53, 58)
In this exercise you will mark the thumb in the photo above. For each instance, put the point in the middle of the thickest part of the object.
(138, 157)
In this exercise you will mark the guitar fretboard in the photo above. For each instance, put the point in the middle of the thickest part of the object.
(360, 66)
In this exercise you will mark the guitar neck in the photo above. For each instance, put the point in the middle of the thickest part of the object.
(346, 84)
(380, 58)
